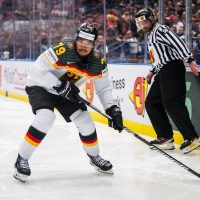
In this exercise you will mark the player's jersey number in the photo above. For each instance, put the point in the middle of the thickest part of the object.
(59, 49)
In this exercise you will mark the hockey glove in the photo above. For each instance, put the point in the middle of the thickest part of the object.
(70, 92)
(116, 120)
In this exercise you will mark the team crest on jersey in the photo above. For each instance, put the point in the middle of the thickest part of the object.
(70, 45)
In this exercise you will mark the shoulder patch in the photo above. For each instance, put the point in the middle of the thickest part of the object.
(51, 56)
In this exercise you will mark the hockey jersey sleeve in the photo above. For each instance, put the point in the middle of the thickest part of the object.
(43, 77)
(104, 90)
(41, 73)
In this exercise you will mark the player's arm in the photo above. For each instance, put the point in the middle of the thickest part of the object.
(104, 91)
(48, 60)
(53, 55)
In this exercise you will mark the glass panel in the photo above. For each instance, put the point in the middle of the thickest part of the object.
(196, 30)
(21, 9)
(6, 30)
(28, 27)
(125, 42)
(196, 48)
(39, 27)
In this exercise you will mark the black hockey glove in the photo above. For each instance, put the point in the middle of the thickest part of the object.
(116, 122)
(70, 92)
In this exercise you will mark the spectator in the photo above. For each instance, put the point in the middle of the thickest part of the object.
(131, 47)
(99, 47)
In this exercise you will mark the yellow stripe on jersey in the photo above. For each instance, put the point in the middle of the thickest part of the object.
(79, 72)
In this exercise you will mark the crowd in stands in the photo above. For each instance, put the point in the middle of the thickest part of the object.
(29, 27)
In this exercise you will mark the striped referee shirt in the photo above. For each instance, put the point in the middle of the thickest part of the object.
(164, 46)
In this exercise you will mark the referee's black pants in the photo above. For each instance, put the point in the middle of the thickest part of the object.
(167, 95)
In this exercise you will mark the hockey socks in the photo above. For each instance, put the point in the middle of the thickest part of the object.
(90, 143)
(31, 141)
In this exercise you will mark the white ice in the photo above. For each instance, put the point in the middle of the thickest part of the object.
(61, 170)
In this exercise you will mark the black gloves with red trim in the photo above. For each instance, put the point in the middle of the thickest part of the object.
(116, 120)
(70, 92)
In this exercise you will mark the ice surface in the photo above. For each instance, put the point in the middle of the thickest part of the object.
(61, 170)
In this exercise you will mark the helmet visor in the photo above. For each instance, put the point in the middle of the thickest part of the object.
(140, 19)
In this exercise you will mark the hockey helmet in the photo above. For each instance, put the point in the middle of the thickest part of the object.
(144, 14)
(87, 31)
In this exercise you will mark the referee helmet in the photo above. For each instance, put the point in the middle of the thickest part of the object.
(145, 14)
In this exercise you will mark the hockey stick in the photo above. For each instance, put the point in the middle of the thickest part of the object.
(143, 140)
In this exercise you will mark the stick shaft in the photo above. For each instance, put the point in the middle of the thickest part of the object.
(143, 140)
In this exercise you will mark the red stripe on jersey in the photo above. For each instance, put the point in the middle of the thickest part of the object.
(75, 67)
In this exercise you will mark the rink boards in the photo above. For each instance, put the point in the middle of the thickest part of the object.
(129, 91)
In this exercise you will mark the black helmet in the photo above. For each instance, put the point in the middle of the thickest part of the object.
(87, 31)
(145, 14)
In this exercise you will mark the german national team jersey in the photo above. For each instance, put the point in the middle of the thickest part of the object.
(62, 61)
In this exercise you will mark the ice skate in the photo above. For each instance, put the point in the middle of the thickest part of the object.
(101, 165)
(163, 143)
(22, 169)
(190, 145)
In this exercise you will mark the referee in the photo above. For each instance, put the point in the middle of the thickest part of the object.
(168, 91)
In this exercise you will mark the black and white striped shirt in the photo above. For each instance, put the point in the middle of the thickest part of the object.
(164, 46)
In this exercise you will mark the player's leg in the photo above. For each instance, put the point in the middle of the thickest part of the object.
(71, 112)
(88, 136)
(44, 117)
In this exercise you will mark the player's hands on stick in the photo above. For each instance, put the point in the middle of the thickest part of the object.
(116, 120)
(70, 92)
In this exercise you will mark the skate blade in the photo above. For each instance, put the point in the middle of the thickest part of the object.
(188, 150)
(110, 172)
(20, 177)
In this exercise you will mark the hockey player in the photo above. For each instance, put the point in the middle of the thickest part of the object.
(53, 83)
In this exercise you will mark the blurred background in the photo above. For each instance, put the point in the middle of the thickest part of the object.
(28, 27)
